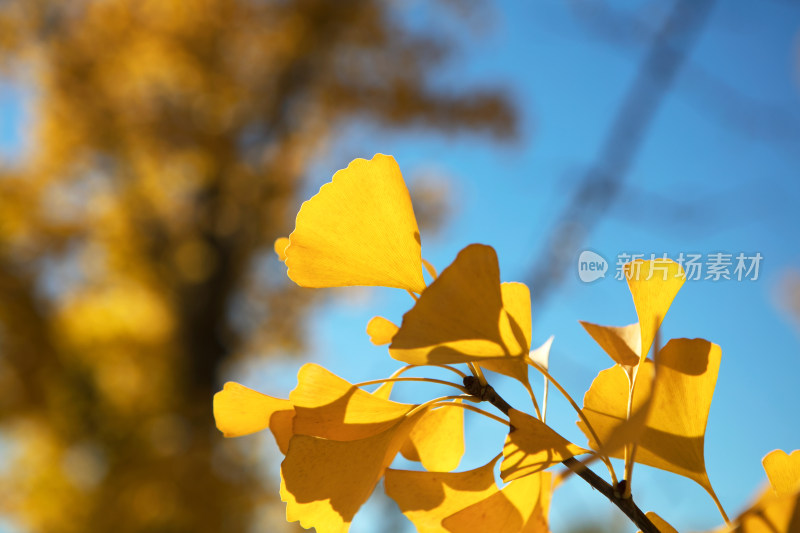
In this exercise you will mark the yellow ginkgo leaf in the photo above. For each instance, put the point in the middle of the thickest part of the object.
(239, 411)
(381, 330)
(661, 524)
(783, 470)
(324, 482)
(520, 506)
(674, 433)
(359, 229)
(653, 285)
(437, 440)
(622, 344)
(471, 501)
(328, 406)
(427, 498)
(515, 329)
(458, 317)
(280, 247)
(770, 513)
(532, 446)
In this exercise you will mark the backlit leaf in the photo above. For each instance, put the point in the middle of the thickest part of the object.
(330, 407)
(466, 502)
(783, 470)
(280, 247)
(381, 331)
(359, 229)
(458, 317)
(239, 410)
(515, 329)
(324, 482)
(660, 523)
(652, 297)
(622, 344)
(674, 435)
(437, 440)
(532, 446)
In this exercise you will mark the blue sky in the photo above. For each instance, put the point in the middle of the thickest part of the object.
(713, 175)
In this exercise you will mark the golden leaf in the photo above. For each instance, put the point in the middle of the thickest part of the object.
(437, 440)
(359, 229)
(280, 247)
(653, 285)
(661, 524)
(328, 406)
(471, 501)
(239, 411)
(381, 330)
(622, 344)
(515, 329)
(324, 482)
(783, 470)
(459, 317)
(674, 433)
(531, 446)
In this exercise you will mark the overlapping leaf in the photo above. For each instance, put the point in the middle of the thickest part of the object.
(324, 482)
(532, 446)
(674, 434)
(240, 411)
(460, 317)
(359, 229)
(466, 502)
(437, 440)
(783, 471)
(330, 407)
(653, 285)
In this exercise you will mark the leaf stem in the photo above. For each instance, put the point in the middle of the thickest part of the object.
(626, 505)
(425, 380)
(578, 410)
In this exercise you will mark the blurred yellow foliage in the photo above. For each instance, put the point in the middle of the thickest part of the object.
(168, 141)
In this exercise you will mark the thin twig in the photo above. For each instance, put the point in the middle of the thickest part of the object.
(487, 393)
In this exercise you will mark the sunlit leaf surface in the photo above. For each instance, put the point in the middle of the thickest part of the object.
(471, 501)
(460, 316)
(783, 470)
(532, 446)
(359, 229)
(437, 440)
(675, 429)
(324, 482)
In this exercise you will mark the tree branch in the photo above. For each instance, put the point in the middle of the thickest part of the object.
(486, 393)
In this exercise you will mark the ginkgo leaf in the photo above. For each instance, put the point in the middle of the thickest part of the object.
(541, 357)
(532, 446)
(622, 344)
(770, 513)
(239, 411)
(437, 440)
(458, 317)
(280, 247)
(783, 471)
(324, 482)
(359, 229)
(653, 285)
(381, 330)
(674, 433)
(427, 498)
(661, 524)
(520, 506)
(471, 501)
(328, 406)
(515, 329)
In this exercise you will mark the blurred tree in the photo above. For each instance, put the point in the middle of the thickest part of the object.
(170, 137)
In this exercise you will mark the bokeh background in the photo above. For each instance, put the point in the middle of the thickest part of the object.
(151, 151)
